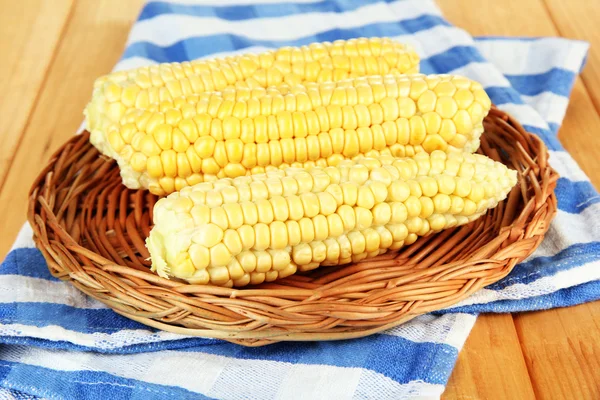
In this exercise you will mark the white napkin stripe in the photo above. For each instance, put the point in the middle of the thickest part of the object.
(158, 29)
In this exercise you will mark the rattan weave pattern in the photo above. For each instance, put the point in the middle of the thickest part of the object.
(91, 231)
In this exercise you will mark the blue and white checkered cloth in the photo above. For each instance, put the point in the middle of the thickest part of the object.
(59, 344)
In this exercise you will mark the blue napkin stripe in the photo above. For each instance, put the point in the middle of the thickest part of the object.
(202, 46)
(540, 267)
(403, 365)
(84, 384)
(571, 296)
(548, 136)
(574, 197)
(72, 318)
(20, 261)
(245, 12)
(174, 344)
(558, 80)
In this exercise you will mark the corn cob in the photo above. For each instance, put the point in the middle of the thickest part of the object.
(240, 131)
(144, 87)
(316, 62)
(251, 229)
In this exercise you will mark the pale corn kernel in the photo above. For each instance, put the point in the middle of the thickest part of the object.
(248, 261)
(399, 232)
(477, 112)
(379, 190)
(399, 212)
(398, 191)
(445, 89)
(219, 275)
(256, 278)
(350, 192)
(235, 269)
(427, 102)
(477, 193)
(295, 208)
(466, 170)
(364, 218)
(446, 107)
(427, 207)
(333, 251)
(442, 203)
(262, 236)
(302, 254)
(307, 229)
(413, 225)
(200, 277)
(464, 98)
(265, 211)
(208, 235)
(415, 188)
(281, 260)
(372, 240)
(382, 214)
(243, 281)
(418, 131)
(232, 242)
(357, 241)
(219, 217)
(321, 227)
(200, 256)
(280, 208)
(411, 238)
(482, 98)
(469, 208)
(263, 261)
(429, 186)
(463, 188)
(348, 216)
(365, 197)
(462, 122)
(413, 206)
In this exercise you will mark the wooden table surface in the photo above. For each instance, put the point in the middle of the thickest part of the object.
(53, 50)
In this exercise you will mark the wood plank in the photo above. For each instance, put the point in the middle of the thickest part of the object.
(560, 346)
(578, 19)
(530, 18)
(559, 342)
(497, 18)
(478, 373)
(579, 133)
(492, 348)
(92, 44)
(29, 33)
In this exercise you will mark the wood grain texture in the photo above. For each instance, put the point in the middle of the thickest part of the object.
(579, 132)
(468, 381)
(559, 358)
(562, 351)
(29, 33)
(578, 19)
(491, 364)
(515, 18)
(92, 44)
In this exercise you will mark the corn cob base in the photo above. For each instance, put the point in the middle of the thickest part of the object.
(91, 231)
